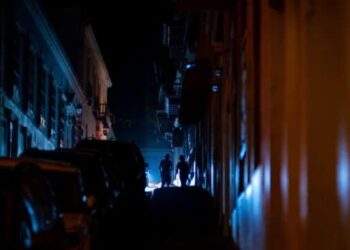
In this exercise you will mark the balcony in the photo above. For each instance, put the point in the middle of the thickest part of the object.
(100, 109)
(102, 113)
(172, 105)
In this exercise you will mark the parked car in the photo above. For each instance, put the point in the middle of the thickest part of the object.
(124, 163)
(29, 215)
(93, 172)
(71, 198)
(96, 181)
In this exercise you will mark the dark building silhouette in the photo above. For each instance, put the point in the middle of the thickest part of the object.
(264, 111)
(40, 97)
(53, 79)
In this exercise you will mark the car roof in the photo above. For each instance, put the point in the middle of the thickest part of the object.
(106, 144)
(43, 164)
(66, 155)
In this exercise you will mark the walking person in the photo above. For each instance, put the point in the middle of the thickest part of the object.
(165, 168)
(184, 169)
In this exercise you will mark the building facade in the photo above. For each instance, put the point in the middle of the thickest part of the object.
(271, 130)
(40, 97)
(95, 82)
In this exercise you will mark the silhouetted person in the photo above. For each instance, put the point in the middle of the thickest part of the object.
(165, 167)
(184, 169)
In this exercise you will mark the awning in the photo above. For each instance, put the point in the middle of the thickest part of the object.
(195, 92)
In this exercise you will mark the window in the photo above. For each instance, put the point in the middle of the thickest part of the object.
(26, 74)
(3, 137)
(13, 87)
(61, 127)
(41, 112)
(27, 138)
(29, 80)
(32, 83)
(6, 150)
(52, 108)
(13, 137)
(76, 134)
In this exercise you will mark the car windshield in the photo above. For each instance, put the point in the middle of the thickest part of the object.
(92, 172)
(124, 162)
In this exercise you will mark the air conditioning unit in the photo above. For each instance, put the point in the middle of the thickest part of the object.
(172, 105)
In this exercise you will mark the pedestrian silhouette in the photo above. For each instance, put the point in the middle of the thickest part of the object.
(165, 167)
(184, 169)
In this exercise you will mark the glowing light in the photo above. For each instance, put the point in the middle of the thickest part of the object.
(218, 72)
(153, 185)
(303, 193)
(84, 198)
(35, 225)
(27, 237)
(176, 181)
(190, 65)
(253, 186)
(212, 183)
(256, 178)
(267, 178)
(193, 180)
(248, 191)
(149, 189)
(284, 181)
(343, 174)
(215, 88)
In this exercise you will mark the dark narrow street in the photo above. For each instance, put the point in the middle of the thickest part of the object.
(175, 124)
(171, 218)
(185, 218)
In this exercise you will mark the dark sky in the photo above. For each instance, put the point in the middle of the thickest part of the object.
(129, 36)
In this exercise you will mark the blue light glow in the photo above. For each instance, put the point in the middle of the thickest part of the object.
(190, 65)
(248, 191)
(84, 198)
(303, 191)
(284, 181)
(27, 237)
(152, 157)
(193, 180)
(218, 72)
(215, 88)
(33, 219)
(343, 174)
(253, 187)
(267, 178)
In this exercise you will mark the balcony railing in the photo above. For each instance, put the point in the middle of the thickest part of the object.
(101, 110)
(102, 113)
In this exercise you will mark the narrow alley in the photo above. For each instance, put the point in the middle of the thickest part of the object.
(108, 107)
(172, 218)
